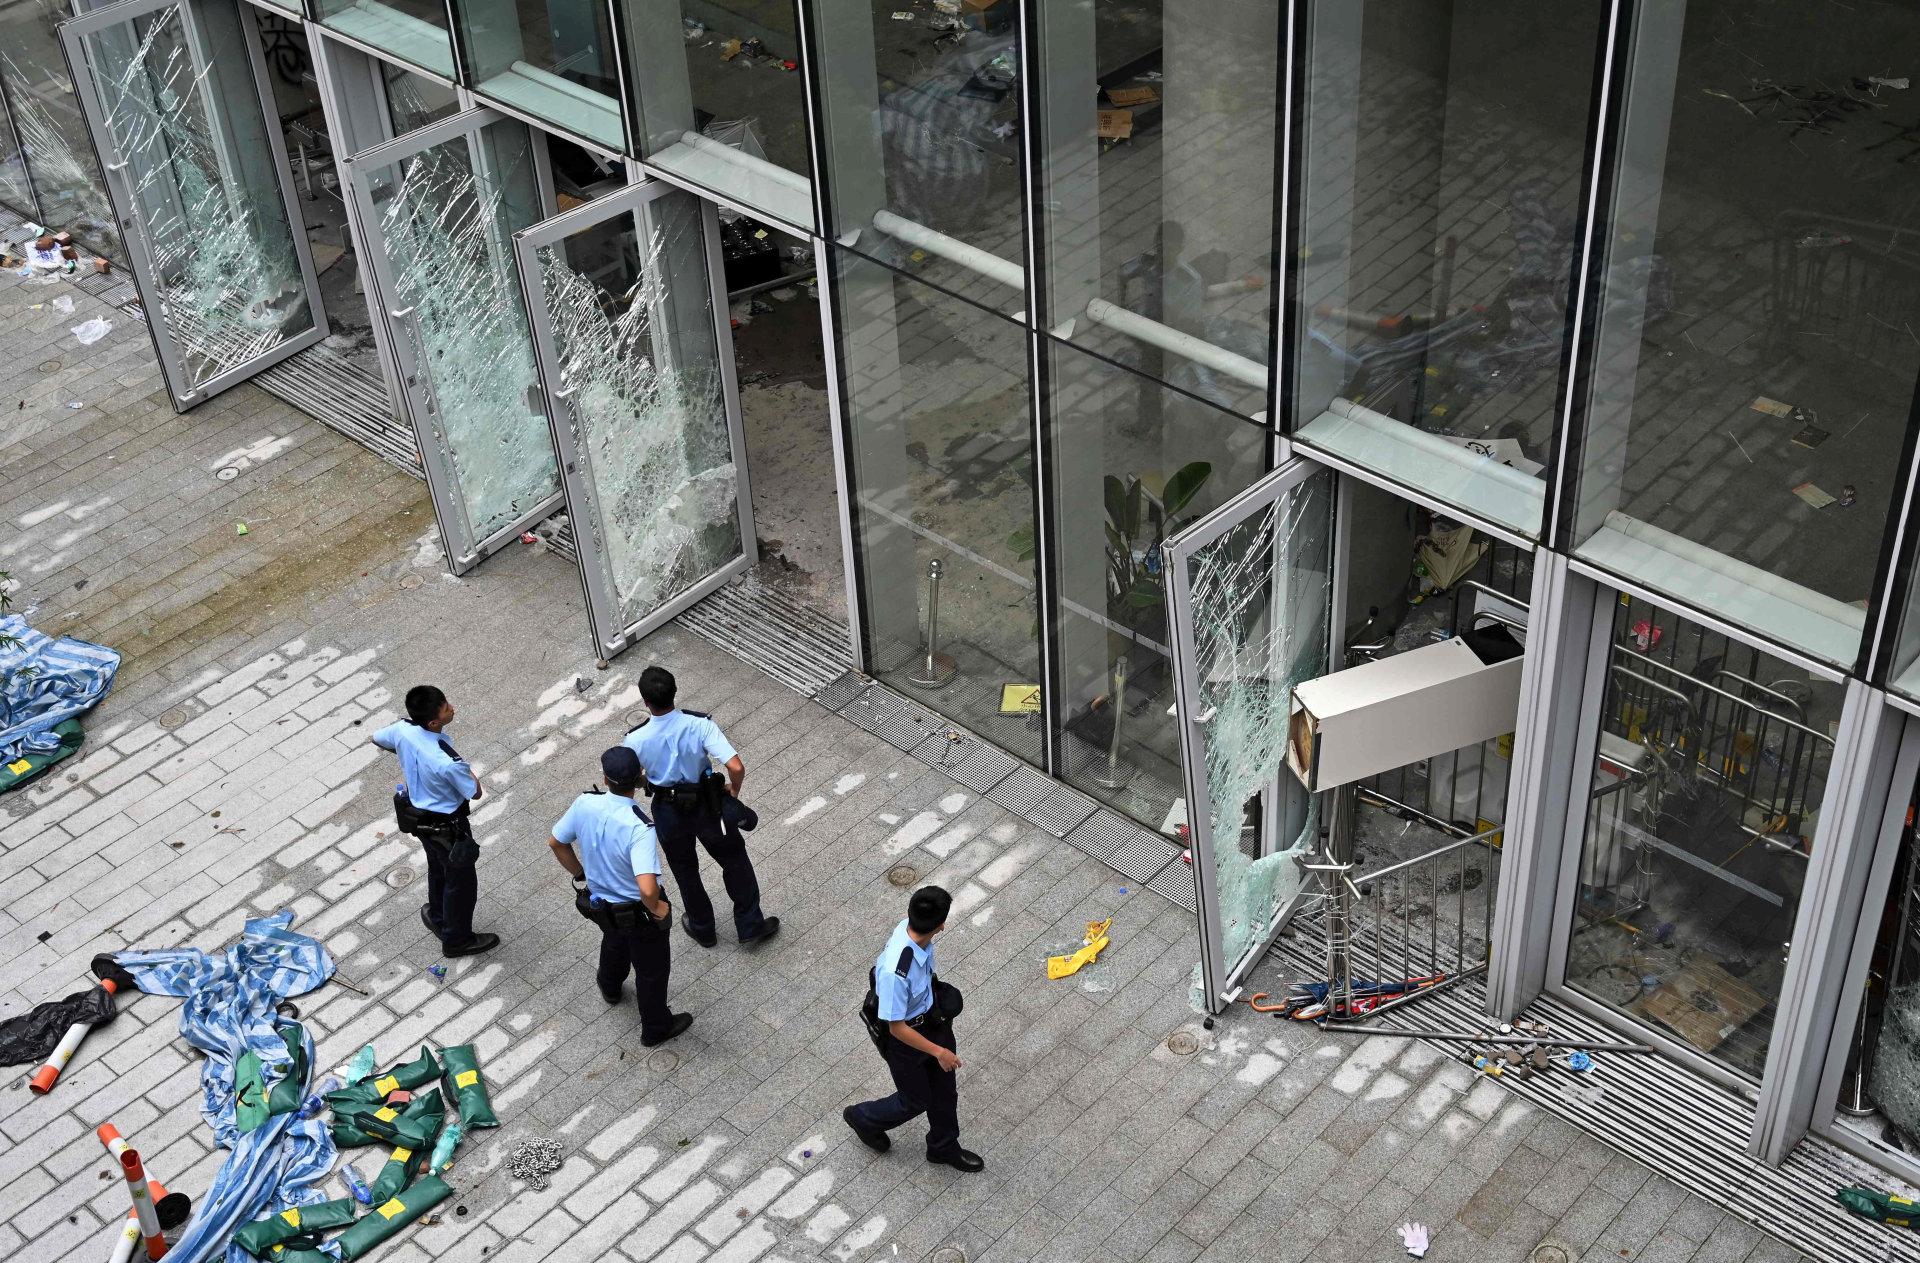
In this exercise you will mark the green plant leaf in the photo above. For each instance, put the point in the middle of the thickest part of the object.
(1186, 484)
(1134, 501)
(1022, 543)
(1116, 494)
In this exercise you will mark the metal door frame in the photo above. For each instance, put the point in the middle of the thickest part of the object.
(113, 166)
(418, 396)
(610, 636)
(1220, 978)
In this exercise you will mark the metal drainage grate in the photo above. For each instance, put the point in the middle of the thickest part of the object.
(1183, 1043)
(173, 717)
(1174, 883)
(843, 690)
(665, 1061)
(1122, 845)
(973, 763)
(1046, 804)
(1549, 1254)
(401, 877)
(902, 875)
(910, 727)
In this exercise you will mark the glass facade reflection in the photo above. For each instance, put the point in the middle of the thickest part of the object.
(58, 158)
(1440, 196)
(554, 62)
(1755, 367)
(413, 30)
(1710, 773)
(940, 433)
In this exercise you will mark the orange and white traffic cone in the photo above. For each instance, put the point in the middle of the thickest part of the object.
(42, 1080)
(148, 1218)
(170, 1209)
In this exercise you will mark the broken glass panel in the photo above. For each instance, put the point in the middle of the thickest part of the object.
(447, 217)
(183, 118)
(53, 137)
(631, 310)
(1259, 612)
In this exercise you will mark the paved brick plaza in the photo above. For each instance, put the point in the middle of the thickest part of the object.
(228, 775)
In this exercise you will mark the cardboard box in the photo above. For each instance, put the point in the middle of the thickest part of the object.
(1382, 715)
(1115, 124)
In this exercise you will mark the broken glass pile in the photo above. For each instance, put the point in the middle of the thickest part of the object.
(639, 375)
(1260, 608)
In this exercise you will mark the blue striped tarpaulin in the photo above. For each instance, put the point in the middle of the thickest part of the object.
(230, 997)
(43, 681)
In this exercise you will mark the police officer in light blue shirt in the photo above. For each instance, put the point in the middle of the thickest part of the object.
(911, 1018)
(431, 803)
(693, 803)
(607, 843)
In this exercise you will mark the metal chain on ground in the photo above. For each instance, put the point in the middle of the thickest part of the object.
(534, 1160)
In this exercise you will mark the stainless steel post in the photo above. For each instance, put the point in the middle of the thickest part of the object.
(1116, 777)
(936, 669)
(1340, 904)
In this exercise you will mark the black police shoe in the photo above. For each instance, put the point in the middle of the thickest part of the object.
(878, 1141)
(768, 928)
(613, 996)
(473, 946)
(959, 1160)
(426, 919)
(709, 941)
(681, 1021)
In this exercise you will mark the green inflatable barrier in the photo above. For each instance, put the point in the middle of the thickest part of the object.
(285, 1098)
(367, 1122)
(417, 1129)
(389, 1216)
(287, 1254)
(17, 772)
(1888, 1208)
(462, 1077)
(258, 1237)
(409, 1075)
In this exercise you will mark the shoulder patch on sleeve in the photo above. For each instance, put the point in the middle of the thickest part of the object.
(905, 964)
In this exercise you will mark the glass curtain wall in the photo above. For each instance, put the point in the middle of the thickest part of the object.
(413, 30)
(15, 189)
(720, 99)
(923, 142)
(1158, 157)
(940, 436)
(1445, 154)
(1711, 769)
(1756, 358)
(552, 61)
(1134, 461)
(60, 160)
(414, 100)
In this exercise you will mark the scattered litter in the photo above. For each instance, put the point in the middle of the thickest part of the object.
(239, 528)
(581, 684)
(902, 15)
(534, 1160)
(74, 405)
(1090, 948)
(91, 331)
(528, 537)
(1772, 407)
(1742, 446)
(806, 1153)
(438, 971)
(1881, 81)
(63, 304)
(1129, 97)
(1414, 1237)
(1847, 495)
(50, 1031)
(730, 50)
(1813, 496)
(1809, 436)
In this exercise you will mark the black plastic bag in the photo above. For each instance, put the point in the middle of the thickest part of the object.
(28, 1038)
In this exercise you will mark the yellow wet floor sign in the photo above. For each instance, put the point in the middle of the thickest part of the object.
(1091, 946)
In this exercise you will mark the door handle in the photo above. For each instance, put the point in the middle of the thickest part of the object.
(402, 314)
(565, 393)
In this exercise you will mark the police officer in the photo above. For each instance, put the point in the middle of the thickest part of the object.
(691, 801)
(608, 843)
(913, 1025)
(431, 803)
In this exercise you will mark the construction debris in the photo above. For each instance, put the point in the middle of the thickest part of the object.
(534, 1160)
(1091, 946)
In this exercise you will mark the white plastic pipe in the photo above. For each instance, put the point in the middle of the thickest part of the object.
(972, 258)
(43, 1078)
(1199, 350)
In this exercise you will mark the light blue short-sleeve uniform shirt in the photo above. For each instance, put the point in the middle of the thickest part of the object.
(903, 977)
(614, 842)
(678, 748)
(434, 778)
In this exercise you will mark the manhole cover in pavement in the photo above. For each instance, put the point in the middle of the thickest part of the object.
(173, 717)
(48, 366)
(901, 875)
(1182, 1043)
(664, 1061)
(411, 581)
(1550, 1254)
(402, 877)
(948, 1254)
(226, 474)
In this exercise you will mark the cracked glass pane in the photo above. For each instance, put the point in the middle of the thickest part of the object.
(1260, 596)
(447, 217)
(59, 161)
(630, 305)
(182, 113)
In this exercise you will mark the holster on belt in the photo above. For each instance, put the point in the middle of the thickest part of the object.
(428, 826)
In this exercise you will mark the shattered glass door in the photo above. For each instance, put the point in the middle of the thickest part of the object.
(173, 94)
(638, 368)
(1251, 587)
(441, 205)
